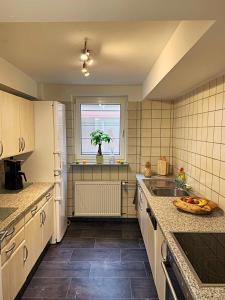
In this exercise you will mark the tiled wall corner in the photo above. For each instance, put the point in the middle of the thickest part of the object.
(156, 132)
(199, 139)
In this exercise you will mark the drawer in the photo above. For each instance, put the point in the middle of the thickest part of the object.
(12, 231)
(10, 248)
(34, 209)
(39, 205)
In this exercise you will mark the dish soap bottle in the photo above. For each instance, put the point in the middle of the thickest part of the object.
(147, 169)
(181, 176)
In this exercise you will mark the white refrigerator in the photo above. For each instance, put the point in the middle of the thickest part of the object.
(48, 163)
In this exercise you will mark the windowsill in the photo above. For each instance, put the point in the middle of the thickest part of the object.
(81, 164)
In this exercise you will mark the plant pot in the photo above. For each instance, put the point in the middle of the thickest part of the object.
(99, 159)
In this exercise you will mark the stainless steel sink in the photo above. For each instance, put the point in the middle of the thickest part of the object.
(168, 192)
(6, 211)
(164, 188)
(159, 183)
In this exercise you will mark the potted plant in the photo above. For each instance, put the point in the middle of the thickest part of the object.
(97, 137)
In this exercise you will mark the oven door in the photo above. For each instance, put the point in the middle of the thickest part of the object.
(175, 286)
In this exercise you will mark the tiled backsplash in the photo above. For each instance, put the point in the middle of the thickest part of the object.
(149, 136)
(199, 139)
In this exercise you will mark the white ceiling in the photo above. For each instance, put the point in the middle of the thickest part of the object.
(126, 37)
(109, 10)
(49, 52)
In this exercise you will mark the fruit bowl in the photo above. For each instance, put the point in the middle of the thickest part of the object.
(195, 205)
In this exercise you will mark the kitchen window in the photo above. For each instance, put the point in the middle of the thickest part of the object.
(107, 114)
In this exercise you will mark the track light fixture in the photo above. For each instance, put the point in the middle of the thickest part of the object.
(86, 58)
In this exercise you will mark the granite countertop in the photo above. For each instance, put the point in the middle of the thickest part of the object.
(23, 200)
(171, 220)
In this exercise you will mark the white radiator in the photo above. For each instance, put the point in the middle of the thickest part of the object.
(97, 198)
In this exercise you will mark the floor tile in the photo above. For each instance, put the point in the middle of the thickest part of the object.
(52, 288)
(134, 255)
(63, 270)
(143, 288)
(148, 269)
(56, 253)
(116, 243)
(74, 242)
(118, 269)
(99, 288)
(96, 255)
(126, 234)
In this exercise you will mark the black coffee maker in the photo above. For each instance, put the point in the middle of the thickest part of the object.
(13, 174)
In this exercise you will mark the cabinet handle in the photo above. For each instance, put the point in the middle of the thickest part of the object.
(41, 218)
(1, 149)
(11, 248)
(24, 143)
(44, 217)
(162, 254)
(26, 253)
(11, 232)
(34, 210)
(20, 145)
(48, 196)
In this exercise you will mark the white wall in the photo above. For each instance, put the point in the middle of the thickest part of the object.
(65, 92)
(13, 78)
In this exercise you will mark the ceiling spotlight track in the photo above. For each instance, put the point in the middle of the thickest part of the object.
(86, 58)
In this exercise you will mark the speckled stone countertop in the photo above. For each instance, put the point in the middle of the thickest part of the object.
(23, 200)
(171, 220)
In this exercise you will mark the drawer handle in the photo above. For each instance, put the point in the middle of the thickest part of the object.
(162, 248)
(48, 196)
(34, 210)
(26, 253)
(11, 248)
(10, 233)
(1, 149)
(44, 217)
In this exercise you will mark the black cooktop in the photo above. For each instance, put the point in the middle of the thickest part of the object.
(206, 254)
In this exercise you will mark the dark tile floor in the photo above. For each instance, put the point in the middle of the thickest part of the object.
(95, 260)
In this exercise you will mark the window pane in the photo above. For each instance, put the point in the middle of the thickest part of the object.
(104, 117)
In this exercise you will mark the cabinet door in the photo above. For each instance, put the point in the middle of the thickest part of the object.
(150, 244)
(47, 221)
(27, 125)
(160, 280)
(13, 274)
(33, 238)
(10, 105)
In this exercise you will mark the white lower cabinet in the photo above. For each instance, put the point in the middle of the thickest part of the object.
(160, 279)
(154, 241)
(47, 228)
(33, 237)
(13, 273)
(20, 253)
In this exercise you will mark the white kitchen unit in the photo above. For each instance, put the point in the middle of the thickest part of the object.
(148, 226)
(16, 125)
(25, 240)
(154, 242)
(49, 162)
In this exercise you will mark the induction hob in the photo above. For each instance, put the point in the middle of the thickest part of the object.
(205, 253)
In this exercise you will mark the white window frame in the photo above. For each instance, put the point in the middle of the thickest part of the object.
(123, 125)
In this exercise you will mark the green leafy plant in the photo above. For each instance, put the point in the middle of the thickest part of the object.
(97, 137)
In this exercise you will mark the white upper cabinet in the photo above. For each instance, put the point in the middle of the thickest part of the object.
(26, 125)
(16, 125)
(10, 115)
